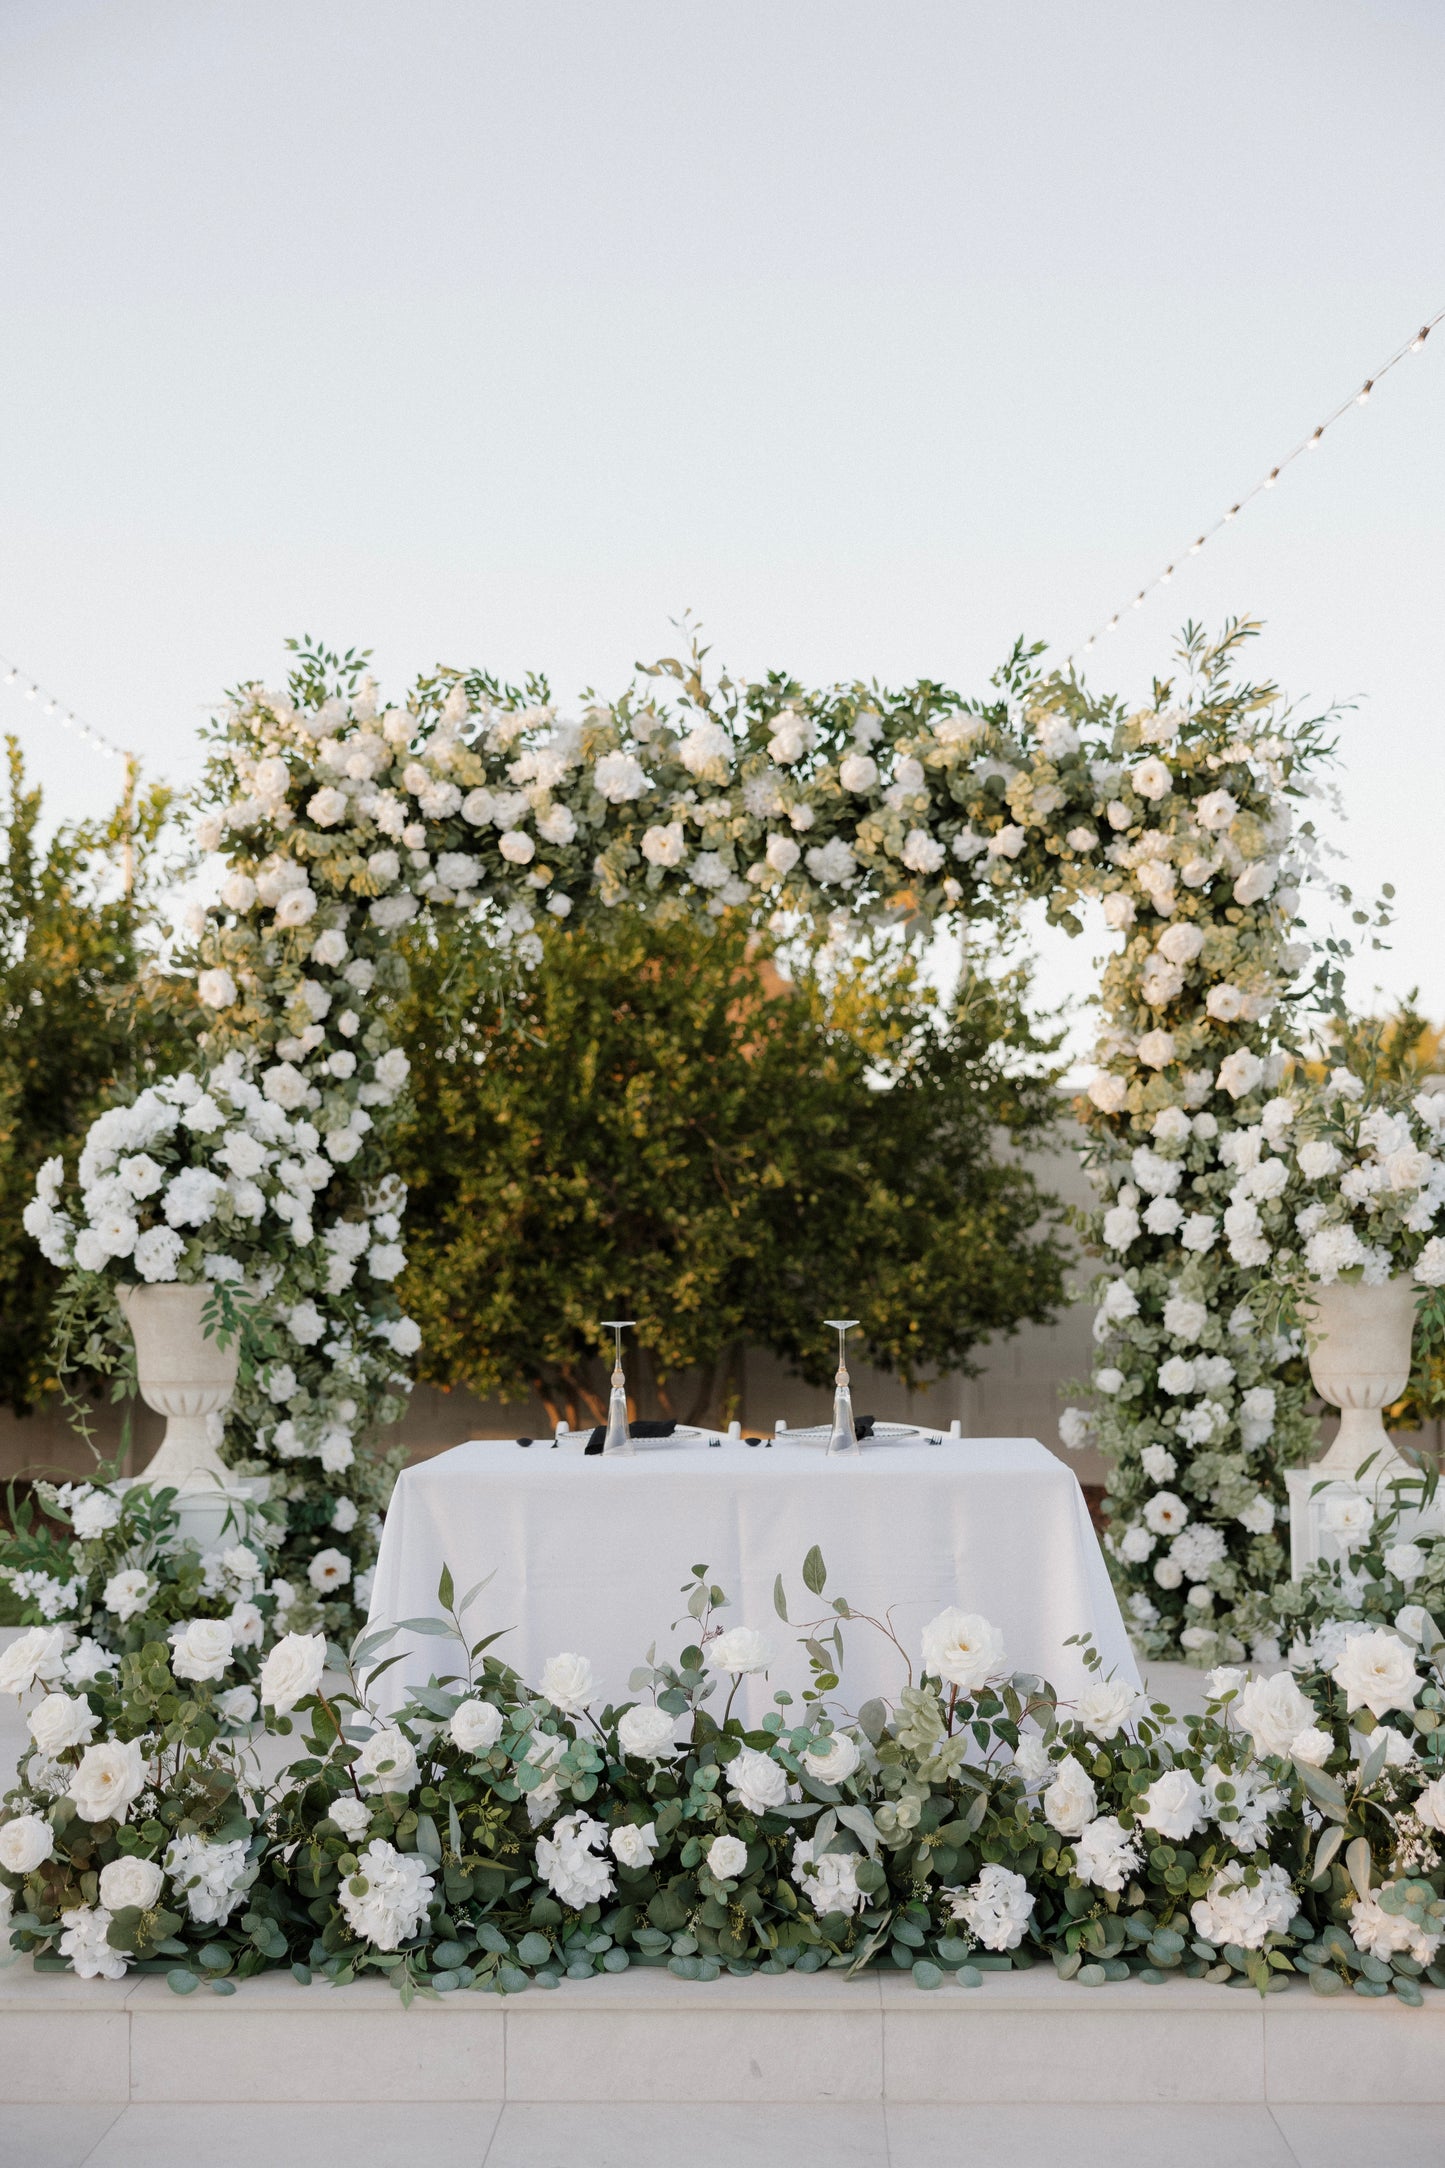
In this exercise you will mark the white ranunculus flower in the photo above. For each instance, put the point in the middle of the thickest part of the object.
(1377, 1672)
(387, 1762)
(61, 1721)
(647, 1733)
(568, 1682)
(292, 1671)
(1165, 1513)
(634, 1846)
(475, 1726)
(1313, 1746)
(726, 1858)
(738, 1651)
(329, 1569)
(1070, 1802)
(201, 1648)
(1173, 1805)
(834, 1762)
(756, 1781)
(109, 1779)
(1105, 1707)
(131, 1881)
(25, 1841)
(963, 1649)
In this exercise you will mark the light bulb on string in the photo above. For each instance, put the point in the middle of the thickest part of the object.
(1310, 443)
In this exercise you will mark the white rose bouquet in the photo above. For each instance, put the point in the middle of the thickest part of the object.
(1370, 1176)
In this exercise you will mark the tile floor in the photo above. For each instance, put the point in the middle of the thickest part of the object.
(715, 2135)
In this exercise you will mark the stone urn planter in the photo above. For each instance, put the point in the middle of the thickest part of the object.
(188, 1377)
(1360, 1362)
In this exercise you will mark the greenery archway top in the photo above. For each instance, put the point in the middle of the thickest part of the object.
(343, 821)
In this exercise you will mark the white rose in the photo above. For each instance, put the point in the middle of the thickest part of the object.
(131, 1881)
(216, 988)
(834, 1762)
(568, 1683)
(756, 1781)
(296, 908)
(634, 1846)
(33, 1659)
(1272, 1711)
(201, 1649)
(24, 1843)
(327, 806)
(475, 1727)
(1070, 1802)
(127, 1592)
(1377, 1672)
(60, 1722)
(387, 1762)
(739, 1650)
(1429, 1806)
(351, 1816)
(664, 846)
(726, 1857)
(292, 1671)
(963, 1649)
(1406, 1561)
(1106, 1706)
(1312, 1746)
(110, 1777)
(237, 1705)
(646, 1732)
(1173, 1805)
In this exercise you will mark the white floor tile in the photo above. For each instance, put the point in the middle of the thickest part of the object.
(391, 2134)
(1093, 2136)
(1344, 2137)
(703, 2134)
(51, 2137)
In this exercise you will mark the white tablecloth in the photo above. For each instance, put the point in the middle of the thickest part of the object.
(591, 1553)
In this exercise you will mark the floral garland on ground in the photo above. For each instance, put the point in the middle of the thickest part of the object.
(494, 1836)
(343, 821)
(126, 1577)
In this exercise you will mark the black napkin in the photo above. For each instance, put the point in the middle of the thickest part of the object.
(639, 1430)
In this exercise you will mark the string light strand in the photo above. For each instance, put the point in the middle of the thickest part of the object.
(12, 675)
(1310, 443)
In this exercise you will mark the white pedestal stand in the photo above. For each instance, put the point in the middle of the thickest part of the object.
(1359, 1361)
(189, 1378)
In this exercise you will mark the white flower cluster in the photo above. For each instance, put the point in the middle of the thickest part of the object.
(1368, 1186)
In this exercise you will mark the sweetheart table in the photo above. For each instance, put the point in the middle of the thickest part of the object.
(590, 1553)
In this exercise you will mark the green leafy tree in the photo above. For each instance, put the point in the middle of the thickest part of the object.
(655, 1124)
(84, 1014)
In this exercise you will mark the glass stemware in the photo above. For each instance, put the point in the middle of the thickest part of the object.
(618, 1437)
(842, 1438)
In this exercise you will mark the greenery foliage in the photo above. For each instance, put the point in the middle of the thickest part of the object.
(654, 1123)
(85, 1017)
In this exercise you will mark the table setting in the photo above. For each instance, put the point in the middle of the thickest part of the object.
(586, 1540)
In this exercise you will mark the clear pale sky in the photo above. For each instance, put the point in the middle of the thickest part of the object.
(875, 334)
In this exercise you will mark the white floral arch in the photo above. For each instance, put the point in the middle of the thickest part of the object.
(342, 821)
